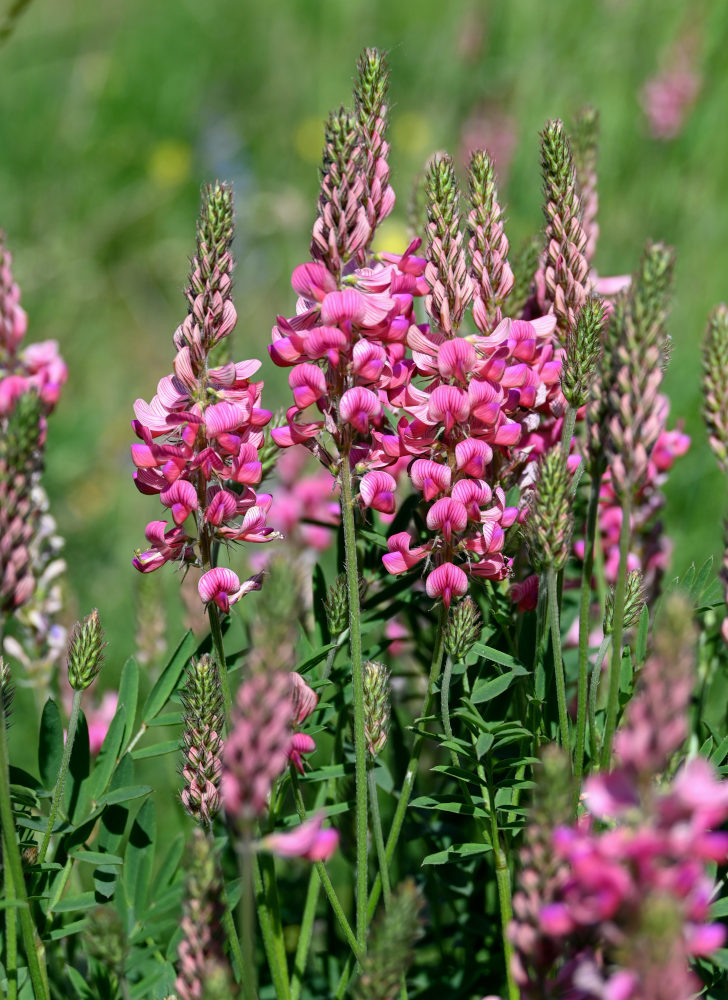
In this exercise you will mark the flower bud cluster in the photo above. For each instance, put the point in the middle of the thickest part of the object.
(201, 433)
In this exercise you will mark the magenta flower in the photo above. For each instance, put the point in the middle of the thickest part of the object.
(201, 433)
(308, 841)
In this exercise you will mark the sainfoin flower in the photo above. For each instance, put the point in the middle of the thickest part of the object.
(309, 841)
(201, 433)
(628, 901)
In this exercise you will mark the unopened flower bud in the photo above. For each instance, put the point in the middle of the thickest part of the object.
(390, 949)
(584, 145)
(446, 271)
(583, 347)
(376, 706)
(715, 383)
(634, 601)
(201, 740)
(85, 651)
(463, 629)
(550, 518)
(337, 607)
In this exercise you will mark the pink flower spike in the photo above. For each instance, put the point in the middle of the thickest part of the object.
(312, 281)
(343, 307)
(447, 581)
(400, 557)
(308, 841)
(308, 383)
(448, 405)
(377, 491)
(472, 456)
(430, 477)
(705, 939)
(221, 586)
(221, 508)
(456, 359)
(357, 406)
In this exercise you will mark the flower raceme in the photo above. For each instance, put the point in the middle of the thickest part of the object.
(201, 433)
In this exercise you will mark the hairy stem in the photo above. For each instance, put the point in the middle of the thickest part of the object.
(558, 662)
(584, 605)
(378, 835)
(352, 578)
(61, 779)
(12, 861)
(594, 746)
(269, 918)
(305, 934)
(247, 915)
(616, 661)
(11, 933)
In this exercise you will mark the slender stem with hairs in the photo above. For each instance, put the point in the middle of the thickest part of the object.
(266, 898)
(594, 745)
(357, 673)
(558, 662)
(305, 934)
(584, 605)
(13, 863)
(246, 864)
(616, 662)
(11, 933)
(378, 835)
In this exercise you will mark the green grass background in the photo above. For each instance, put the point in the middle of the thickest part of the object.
(113, 114)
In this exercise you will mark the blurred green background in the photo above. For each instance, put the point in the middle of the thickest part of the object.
(113, 114)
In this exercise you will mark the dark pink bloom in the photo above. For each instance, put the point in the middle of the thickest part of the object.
(400, 557)
(446, 582)
(301, 743)
(377, 491)
(358, 406)
(308, 841)
(223, 587)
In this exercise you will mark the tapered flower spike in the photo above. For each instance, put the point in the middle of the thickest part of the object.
(463, 629)
(20, 459)
(202, 740)
(390, 950)
(85, 651)
(488, 245)
(636, 408)
(203, 972)
(6, 690)
(583, 349)
(256, 750)
(550, 517)
(715, 383)
(566, 271)
(634, 602)
(370, 96)
(585, 147)
(376, 706)
(342, 228)
(446, 271)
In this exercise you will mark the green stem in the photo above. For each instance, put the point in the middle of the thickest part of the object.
(352, 577)
(269, 918)
(247, 916)
(378, 835)
(305, 934)
(61, 779)
(232, 935)
(584, 605)
(13, 862)
(445, 697)
(567, 430)
(558, 662)
(11, 934)
(594, 697)
(216, 631)
(324, 876)
(616, 661)
(503, 883)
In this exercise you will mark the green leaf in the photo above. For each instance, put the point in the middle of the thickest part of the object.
(640, 646)
(498, 656)
(156, 750)
(125, 794)
(701, 580)
(96, 858)
(169, 678)
(68, 929)
(455, 853)
(442, 804)
(168, 868)
(79, 766)
(50, 744)
(486, 690)
(139, 856)
(109, 754)
(82, 901)
(23, 779)
(128, 697)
